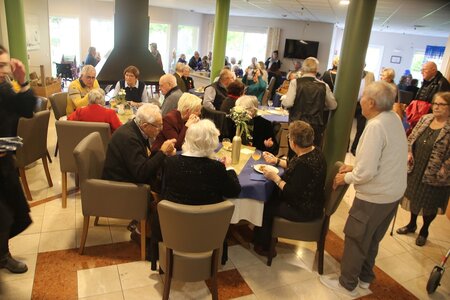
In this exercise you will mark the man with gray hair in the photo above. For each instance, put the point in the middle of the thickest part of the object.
(172, 93)
(379, 178)
(79, 88)
(216, 92)
(96, 112)
(128, 157)
(307, 98)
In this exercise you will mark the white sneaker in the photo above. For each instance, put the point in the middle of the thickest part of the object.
(364, 285)
(336, 286)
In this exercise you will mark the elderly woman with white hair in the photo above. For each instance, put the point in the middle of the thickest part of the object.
(96, 112)
(261, 130)
(177, 121)
(194, 177)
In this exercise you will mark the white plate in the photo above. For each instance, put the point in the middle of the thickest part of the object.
(267, 167)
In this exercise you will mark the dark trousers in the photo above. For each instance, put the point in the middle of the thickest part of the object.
(360, 125)
(365, 228)
(6, 220)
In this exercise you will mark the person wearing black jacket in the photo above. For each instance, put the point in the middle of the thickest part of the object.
(14, 209)
(433, 82)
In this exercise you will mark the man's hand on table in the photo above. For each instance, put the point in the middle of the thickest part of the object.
(168, 147)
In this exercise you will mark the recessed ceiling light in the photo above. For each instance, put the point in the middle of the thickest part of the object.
(344, 2)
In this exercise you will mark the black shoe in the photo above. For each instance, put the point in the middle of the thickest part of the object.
(132, 226)
(406, 229)
(421, 240)
(14, 266)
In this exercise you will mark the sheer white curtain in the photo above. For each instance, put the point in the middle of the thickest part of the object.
(273, 40)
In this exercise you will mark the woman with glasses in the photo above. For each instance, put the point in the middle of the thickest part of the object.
(177, 121)
(299, 196)
(428, 187)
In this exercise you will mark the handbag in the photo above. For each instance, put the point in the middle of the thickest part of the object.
(415, 110)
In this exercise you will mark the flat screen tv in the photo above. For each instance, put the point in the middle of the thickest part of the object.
(300, 49)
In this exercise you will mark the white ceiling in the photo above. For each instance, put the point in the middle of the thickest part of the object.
(423, 17)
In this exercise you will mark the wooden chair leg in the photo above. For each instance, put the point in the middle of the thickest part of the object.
(26, 189)
(84, 234)
(214, 268)
(143, 237)
(64, 189)
(56, 149)
(77, 180)
(47, 172)
(273, 242)
(169, 270)
(49, 157)
(96, 221)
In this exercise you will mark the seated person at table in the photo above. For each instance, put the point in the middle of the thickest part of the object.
(216, 92)
(135, 90)
(195, 62)
(128, 157)
(256, 86)
(179, 76)
(79, 88)
(169, 88)
(188, 81)
(91, 57)
(261, 130)
(182, 59)
(177, 121)
(96, 112)
(299, 196)
(235, 90)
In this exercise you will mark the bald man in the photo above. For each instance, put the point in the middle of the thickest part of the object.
(217, 92)
(433, 82)
(170, 90)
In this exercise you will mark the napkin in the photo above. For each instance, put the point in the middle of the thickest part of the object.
(257, 177)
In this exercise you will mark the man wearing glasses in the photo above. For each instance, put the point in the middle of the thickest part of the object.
(79, 89)
(433, 82)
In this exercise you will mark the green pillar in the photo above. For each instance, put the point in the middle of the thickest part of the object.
(15, 21)
(358, 25)
(220, 36)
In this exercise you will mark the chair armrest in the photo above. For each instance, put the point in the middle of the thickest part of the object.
(115, 199)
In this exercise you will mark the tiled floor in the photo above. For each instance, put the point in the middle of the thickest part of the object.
(110, 268)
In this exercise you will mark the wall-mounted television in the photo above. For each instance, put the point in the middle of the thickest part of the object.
(300, 49)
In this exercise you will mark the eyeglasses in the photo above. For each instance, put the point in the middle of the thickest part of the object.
(157, 126)
(440, 104)
(90, 77)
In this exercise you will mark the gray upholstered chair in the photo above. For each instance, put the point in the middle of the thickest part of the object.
(192, 238)
(41, 104)
(283, 140)
(70, 133)
(313, 231)
(34, 133)
(58, 102)
(104, 198)
(219, 118)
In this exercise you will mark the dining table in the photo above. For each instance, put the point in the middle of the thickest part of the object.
(255, 188)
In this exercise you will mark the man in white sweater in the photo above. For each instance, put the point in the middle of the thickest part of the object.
(379, 178)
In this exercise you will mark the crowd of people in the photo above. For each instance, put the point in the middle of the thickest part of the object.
(390, 167)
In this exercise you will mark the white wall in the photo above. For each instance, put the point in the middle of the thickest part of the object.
(313, 31)
(397, 44)
(3, 28)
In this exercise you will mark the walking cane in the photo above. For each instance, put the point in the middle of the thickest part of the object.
(393, 221)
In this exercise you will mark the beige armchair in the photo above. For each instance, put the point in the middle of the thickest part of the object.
(104, 198)
(192, 238)
(70, 133)
(58, 103)
(314, 231)
(34, 133)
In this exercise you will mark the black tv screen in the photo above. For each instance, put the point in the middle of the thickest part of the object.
(300, 49)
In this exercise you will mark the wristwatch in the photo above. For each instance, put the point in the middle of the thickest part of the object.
(24, 84)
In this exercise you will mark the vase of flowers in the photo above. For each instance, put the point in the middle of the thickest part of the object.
(240, 117)
(120, 101)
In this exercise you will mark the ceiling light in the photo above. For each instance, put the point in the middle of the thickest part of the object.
(303, 42)
(344, 2)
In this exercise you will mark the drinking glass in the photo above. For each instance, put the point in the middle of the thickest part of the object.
(256, 155)
(270, 102)
(226, 143)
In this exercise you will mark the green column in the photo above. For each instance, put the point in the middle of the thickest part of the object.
(358, 25)
(15, 22)
(220, 36)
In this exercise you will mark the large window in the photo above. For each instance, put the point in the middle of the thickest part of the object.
(102, 36)
(245, 45)
(64, 39)
(187, 41)
(374, 55)
(159, 34)
(416, 64)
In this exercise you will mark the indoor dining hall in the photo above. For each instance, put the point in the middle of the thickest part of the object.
(224, 149)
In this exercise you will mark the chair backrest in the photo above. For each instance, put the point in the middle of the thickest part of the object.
(70, 133)
(219, 119)
(333, 197)
(265, 98)
(194, 228)
(271, 85)
(34, 134)
(89, 157)
(405, 97)
(59, 104)
(41, 104)
(108, 88)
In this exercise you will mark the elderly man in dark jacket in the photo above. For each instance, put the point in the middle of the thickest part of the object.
(14, 210)
(433, 82)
